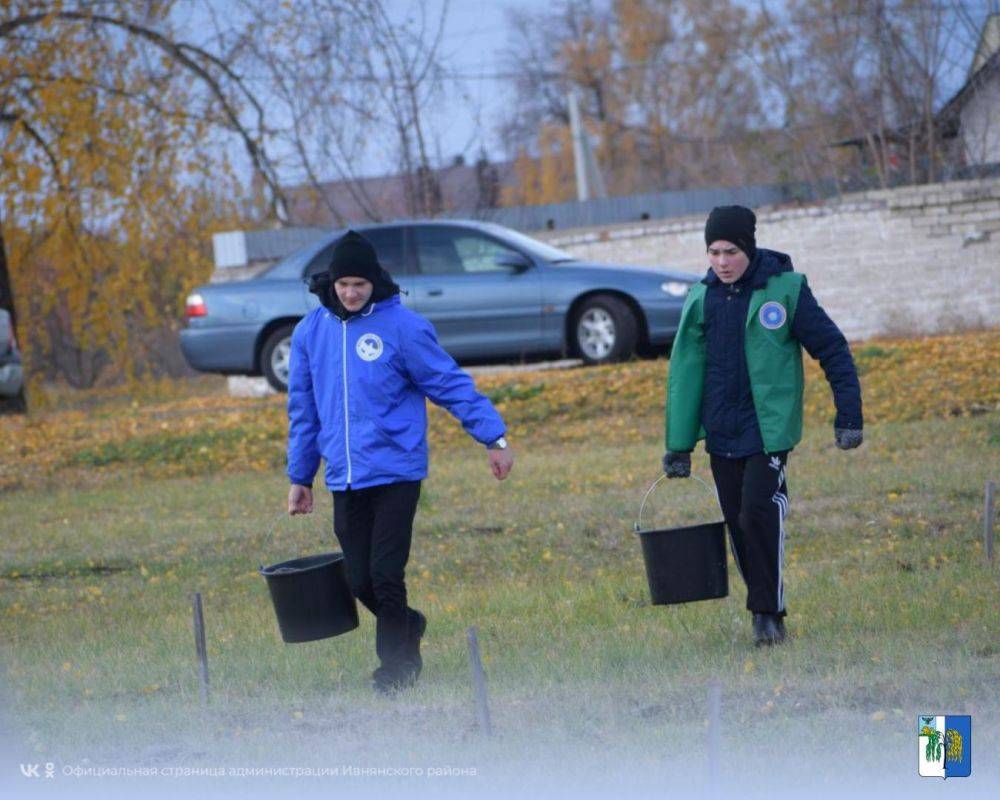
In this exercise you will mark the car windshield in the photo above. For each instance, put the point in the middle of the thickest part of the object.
(533, 246)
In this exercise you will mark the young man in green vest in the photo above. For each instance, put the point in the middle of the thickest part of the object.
(736, 381)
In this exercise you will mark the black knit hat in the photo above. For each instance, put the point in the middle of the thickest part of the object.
(734, 224)
(354, 257)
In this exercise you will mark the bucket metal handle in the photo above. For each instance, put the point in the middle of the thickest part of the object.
(712, 489)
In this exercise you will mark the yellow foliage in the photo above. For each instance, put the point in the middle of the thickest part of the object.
(652, 77)
(548, 178)
(109, 197)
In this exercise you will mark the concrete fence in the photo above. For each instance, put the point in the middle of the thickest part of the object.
(912, 260)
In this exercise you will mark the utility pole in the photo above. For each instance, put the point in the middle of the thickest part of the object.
(589, 182)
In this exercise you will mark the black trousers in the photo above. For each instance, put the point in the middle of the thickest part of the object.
(374, 527)
(754, 498)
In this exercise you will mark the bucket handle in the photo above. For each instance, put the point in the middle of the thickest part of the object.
(273, 527)
(638, 523)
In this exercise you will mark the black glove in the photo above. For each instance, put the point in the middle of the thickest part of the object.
(677, 465)
(848, 438)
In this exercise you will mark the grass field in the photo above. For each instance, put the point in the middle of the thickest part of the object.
(892, 610)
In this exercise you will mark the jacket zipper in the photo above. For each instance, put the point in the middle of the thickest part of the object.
(347, 425)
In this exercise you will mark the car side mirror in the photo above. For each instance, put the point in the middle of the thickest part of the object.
(516, 261)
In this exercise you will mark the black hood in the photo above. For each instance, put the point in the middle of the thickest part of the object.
(321, 285)
(763, 265)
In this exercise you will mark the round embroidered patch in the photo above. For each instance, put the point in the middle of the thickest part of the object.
(772, 315)
(369, 346)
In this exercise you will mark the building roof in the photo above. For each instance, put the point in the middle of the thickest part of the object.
(949, 113)
(989, 44)
(947, 118)
(464, 187)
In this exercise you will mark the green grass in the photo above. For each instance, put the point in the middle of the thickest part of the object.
(892, 609)
(163, 448)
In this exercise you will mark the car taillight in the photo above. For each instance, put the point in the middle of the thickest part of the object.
(195, 306)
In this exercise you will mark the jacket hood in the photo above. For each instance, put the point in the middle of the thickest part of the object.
(763, 266)
(321, 285)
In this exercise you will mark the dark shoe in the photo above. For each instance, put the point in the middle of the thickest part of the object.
(383, 682)
(760, 633)
(417, 628)
(390, 682)
(768, 629)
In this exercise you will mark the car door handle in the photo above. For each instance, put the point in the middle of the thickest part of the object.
(435, 292)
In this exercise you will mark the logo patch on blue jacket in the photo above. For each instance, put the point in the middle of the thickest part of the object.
(369, 346)
(772, 315)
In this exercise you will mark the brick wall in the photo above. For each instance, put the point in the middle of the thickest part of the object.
(913, 260)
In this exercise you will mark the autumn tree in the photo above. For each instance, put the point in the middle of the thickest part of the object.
(874, 73)
(694, 93)
(549, 54)
(114, 172)
(665, 90)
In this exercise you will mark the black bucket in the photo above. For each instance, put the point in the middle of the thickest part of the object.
(311, 597)
(684, 564)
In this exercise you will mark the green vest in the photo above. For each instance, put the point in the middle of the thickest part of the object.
(774, 361)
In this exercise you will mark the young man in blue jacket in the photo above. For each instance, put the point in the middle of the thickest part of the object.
(360, 367)
(736, 381)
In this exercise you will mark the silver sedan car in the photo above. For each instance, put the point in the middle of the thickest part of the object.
(491, 293)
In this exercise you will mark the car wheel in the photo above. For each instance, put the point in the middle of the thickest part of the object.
(274, 357)
(604, 330)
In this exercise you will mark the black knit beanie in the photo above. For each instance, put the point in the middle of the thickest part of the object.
(734, 224)
(354, 257)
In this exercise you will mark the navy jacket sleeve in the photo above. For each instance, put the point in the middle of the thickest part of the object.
(437, 375)
(823, 341)
(303, 418)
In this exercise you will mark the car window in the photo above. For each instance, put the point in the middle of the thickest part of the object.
(292, 266)
(529, 245)
(454, 251)
(388, 244)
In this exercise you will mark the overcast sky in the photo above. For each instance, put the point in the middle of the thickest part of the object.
(468, 116)
(475, 33)
(465, 119)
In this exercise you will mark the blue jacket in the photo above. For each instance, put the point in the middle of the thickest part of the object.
(356, 389)
(727, 413)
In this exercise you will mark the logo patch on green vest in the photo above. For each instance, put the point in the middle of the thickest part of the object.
(772, 315)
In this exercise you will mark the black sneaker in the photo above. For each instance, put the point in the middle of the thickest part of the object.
(768, 629)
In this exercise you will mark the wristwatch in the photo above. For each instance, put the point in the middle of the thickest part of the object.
(499, 444)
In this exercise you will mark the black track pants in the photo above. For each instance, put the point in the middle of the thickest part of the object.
(375, 527)
(754, 498)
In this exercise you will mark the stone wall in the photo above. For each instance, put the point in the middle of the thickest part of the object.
(906, 261)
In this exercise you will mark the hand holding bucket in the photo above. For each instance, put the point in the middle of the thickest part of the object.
(300, 499)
